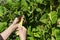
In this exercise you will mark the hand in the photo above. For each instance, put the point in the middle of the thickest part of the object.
(15, 22)
(22, 32)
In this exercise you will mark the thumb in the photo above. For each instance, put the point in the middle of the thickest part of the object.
(15, 20)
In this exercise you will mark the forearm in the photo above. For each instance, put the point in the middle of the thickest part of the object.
(7, 32)
(23, 38)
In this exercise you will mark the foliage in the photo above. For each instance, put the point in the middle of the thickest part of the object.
(41, 18)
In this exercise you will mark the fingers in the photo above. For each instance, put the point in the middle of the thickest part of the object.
(15, 20)
(17, 33)
(21, 28)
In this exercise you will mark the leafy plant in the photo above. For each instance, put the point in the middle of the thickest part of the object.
(42, 18)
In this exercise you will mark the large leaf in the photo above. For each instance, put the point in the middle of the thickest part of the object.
(57, 34)
(44, 18)
(53, 16)
(3, 26)
(3, 11)
(24, 5)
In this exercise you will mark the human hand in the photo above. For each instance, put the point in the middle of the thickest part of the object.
(22, 32)
(18, 20)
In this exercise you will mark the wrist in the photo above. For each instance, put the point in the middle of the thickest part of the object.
(22, 39)
(13, 26)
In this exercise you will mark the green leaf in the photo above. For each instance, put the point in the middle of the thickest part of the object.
(3, 26)
(9, 1)
(1, 11)
(38, 10)
(39, 1)
(53, 16)
(17, 38)
(57, 34)
(31, 38)
(36, 35)
(58, 0)
(44, 18)
(58, 10)
(24, 5)
(29, 30)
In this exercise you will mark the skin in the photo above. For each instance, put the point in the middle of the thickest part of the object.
(22, 30)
